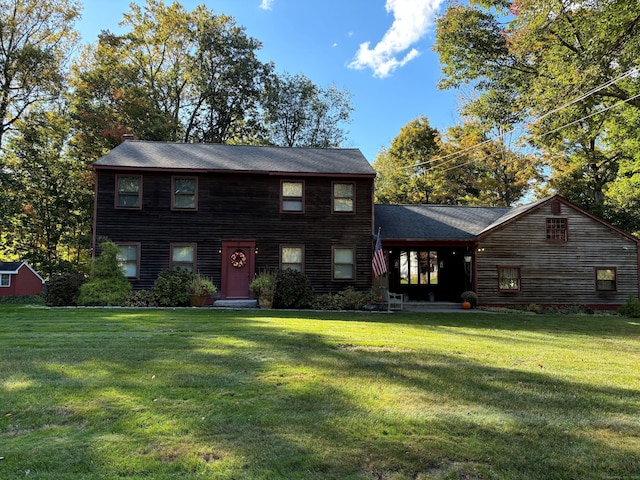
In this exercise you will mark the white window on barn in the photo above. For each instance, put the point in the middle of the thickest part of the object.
(184, 193)
(606, 280)
(5, 280)
(292, 196)
(129, 191)
(344, 197)
(509, 279)
(129, 259)
(344, 267)
(292, 257)
(183, 256)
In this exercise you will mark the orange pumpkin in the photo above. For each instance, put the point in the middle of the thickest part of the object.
(466, 305)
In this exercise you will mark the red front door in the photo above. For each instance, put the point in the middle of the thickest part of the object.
(237, 268)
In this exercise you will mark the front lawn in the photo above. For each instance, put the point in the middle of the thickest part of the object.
(204, 393)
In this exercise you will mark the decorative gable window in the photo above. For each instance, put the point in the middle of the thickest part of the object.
(129, 259)
(343, 197)
(184, 193)
(183, 256)
(557, 230)
(5, 280)
(606, 280)
(344, 263)
(509, 279)
(292, 257)
(128, 191)
(292, 196)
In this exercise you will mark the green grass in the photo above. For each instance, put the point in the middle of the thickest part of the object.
(202, 393)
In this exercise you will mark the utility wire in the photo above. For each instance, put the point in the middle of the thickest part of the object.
(630, 72)
(545, 133)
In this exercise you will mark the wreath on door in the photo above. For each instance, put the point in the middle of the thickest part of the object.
(238, 259)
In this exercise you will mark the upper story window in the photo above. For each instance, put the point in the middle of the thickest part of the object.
(128, 191)
(129, 259)
(292, 196)
(184, 193)
(606, 280)
(557, 230)
(344, 263)
(183, 256)
(292, 257)
(5, 280)
(509, 279)
(344, 197)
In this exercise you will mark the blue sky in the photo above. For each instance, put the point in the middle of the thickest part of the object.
(379, 50)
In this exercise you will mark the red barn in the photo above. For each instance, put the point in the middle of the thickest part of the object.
(19, 279)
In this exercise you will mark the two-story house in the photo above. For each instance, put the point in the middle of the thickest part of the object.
(228, 211)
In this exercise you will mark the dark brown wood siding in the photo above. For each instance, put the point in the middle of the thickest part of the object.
(556, 273)
(239, 206)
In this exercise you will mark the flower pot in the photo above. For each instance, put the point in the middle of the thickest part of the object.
(265, 303)
(198, 300)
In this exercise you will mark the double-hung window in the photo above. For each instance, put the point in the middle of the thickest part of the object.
(344, 197)
(129, 191)
(183, 256)
(292, 256)
(184, 193)
(129, 259)
(606, 279)
(344, 263)
(292, 196)
(5, 280)
(509, 279)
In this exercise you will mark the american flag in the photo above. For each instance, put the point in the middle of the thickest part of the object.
(378, 263)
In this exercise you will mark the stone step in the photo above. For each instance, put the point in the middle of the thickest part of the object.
(236, 303)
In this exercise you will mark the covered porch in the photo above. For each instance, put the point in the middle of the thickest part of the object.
(431, 249)
(426, 273)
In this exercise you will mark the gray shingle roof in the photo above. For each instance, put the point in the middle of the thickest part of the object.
(9, 267)
(435, 222)
(215, 157)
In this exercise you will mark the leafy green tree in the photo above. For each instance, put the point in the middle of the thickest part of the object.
(404, 169)
(299, 113)
(527, 58)
(36, 37)
(51, 193)
(488, 166)
(107, 284)
(228, 81)
(175, 75)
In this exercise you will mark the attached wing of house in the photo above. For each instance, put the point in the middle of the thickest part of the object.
(548, 252)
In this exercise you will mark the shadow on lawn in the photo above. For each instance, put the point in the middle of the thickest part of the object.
(184, 396)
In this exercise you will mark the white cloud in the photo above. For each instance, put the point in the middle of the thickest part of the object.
(412, 20)
(266, 4)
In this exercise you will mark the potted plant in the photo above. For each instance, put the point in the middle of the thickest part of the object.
(199, 289)
(263, 287)
(469, 299)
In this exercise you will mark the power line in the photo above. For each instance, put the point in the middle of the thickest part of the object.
(546, 133)
(630, 72)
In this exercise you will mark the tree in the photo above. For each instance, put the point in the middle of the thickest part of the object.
(36, 38)
(229, 81)
(404, 174)
(51, 193)
(527, 58)
(299, 113)
(175, 75)
(107, 284)
(492, 172)
(468, 166)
